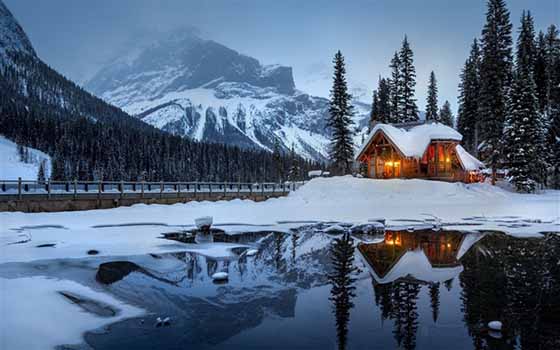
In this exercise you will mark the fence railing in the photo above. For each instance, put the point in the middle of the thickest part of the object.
(25, 188)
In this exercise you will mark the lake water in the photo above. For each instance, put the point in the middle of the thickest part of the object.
(311, 290)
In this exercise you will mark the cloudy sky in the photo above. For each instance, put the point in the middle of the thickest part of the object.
(77, 36)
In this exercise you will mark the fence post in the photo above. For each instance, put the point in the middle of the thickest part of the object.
(262, 190)
(161, 189)
(48, 184)
(122, 189)
(99, 184)
(195, 189)
(210, 190)
(19, 188)
(142, 189)
(178, 190)
(75, 188)
(225, 189)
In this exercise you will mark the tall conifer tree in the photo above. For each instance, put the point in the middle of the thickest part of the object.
(524, 130)
(469, 90)
(432, 100)
(408, 110)
(340, 110)
(495, 81)
(446, 115)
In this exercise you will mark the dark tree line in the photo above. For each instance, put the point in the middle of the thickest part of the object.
(509, 105)
(89, 139)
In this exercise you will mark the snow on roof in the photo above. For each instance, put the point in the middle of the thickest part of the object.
(413, 141)
(414, 263)
(467, 160)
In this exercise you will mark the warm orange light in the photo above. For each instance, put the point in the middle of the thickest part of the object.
(448, 245)
(389, 163)
(448, 160)
(389, 242)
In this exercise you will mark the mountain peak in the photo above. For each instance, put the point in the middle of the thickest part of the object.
(12, 36)
(186, 61)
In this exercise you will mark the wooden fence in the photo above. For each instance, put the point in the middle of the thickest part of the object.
(17, 192)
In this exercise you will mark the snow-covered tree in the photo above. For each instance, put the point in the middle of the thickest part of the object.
(524, 132)
(469, 93)
(408, 111)
(495, 81)
(340, 112)
(374, 114)
(446, 115)
(432, 99)
(552, 108)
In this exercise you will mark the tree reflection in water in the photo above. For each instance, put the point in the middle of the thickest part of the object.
(342, 290)
(500, 277)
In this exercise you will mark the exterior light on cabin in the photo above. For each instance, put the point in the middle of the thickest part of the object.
(448, 160)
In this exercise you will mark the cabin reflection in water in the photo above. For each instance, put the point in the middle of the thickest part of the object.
(423, 256)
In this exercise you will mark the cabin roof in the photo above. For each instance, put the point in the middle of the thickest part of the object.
(468, 162)
(412, 139)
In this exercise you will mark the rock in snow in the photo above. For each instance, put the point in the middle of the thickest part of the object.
(495, 325)
(220, 276)
(203, 222)
(251, 252)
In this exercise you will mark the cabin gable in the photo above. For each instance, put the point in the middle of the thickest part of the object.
(394, 153)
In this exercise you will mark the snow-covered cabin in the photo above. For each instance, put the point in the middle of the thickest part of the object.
(417, 150)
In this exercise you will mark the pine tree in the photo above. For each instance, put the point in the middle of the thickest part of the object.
(408, 111)
(41, 172)
(432, 100)
(374, 114)
(524, 130)
(384, 106)
(380, 107)
(552, 108)
(495, 81)
(395, 89)
(469, 90)
(340, 111)
(540, 72)
(446, 115)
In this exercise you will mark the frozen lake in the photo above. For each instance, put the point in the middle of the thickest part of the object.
(306, 289)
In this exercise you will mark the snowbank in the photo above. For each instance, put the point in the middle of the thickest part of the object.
(340, 199)
(11, 166)
(59, 320)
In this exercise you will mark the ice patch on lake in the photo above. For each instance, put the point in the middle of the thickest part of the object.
(59, 321)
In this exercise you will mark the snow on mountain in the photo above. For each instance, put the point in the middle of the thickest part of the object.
(12, 36)
(12, 166)
(203, 90)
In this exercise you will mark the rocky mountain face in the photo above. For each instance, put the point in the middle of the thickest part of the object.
(12, 36)
(203, 90)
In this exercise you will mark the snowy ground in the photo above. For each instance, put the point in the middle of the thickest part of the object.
(136, 230)
(11, 166)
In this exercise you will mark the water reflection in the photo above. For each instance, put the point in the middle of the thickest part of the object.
(501, 278)
(342, 281)
(432, 289)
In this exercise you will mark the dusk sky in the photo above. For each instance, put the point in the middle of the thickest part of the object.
(78, 37)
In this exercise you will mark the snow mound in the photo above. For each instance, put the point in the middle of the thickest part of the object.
(13, 167)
